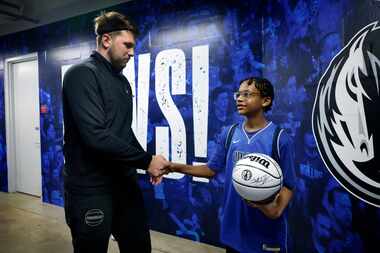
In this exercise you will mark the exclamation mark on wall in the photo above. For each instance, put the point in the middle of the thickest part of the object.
(200, 78)
(200, 56)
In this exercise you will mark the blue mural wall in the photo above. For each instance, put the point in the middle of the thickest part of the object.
(290, 42)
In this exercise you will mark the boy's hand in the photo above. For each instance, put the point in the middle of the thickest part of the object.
(170, 168)
(261, 206)
(250, 203)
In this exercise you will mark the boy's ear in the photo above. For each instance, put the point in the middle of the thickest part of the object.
(266, 101)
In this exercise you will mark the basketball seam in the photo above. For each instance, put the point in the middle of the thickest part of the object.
(261, 170)
(278, 172)
(264, 187)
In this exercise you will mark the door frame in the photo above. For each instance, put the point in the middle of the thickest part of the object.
(10, 118)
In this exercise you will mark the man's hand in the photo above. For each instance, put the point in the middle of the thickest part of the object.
(158, 166)
(157, 180)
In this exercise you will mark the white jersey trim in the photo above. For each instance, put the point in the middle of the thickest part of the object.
(261, 130)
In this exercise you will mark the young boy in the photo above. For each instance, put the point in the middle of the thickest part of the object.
(247, 227)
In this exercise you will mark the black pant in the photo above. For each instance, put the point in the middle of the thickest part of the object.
(93, 217)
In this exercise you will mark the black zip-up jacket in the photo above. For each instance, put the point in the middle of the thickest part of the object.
(100, 145)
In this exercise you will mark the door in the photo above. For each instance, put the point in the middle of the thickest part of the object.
(24, 75)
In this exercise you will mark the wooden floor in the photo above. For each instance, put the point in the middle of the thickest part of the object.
(29, 226)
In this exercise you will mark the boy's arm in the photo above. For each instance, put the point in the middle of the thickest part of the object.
(194, 170)
(214, 165)
(275, 209)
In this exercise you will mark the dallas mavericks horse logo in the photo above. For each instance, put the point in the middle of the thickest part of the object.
(346, 115)
(246, 175)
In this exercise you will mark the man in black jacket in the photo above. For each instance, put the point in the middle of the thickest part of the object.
(101, 151)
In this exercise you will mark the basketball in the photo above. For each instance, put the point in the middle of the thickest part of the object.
(257, 177)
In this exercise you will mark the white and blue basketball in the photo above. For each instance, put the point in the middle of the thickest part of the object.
(257, 177)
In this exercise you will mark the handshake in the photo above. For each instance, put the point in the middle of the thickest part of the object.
(158, 167)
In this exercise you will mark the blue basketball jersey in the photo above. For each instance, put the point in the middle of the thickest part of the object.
(244, 228)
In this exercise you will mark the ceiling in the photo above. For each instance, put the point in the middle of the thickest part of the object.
(19, 15)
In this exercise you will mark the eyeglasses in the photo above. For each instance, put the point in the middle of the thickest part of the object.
(245, 94)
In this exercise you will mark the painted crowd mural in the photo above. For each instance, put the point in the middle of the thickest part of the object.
(190, 58)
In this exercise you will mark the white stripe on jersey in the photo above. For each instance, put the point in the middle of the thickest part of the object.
(262, 129)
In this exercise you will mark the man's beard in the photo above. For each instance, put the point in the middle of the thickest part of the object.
(117, 63)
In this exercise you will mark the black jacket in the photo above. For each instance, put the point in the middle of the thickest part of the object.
(100, 145)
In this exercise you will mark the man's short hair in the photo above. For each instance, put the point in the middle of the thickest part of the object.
(113, 22)
(264, 86)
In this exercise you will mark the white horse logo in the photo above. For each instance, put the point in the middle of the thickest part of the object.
(346, 115)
